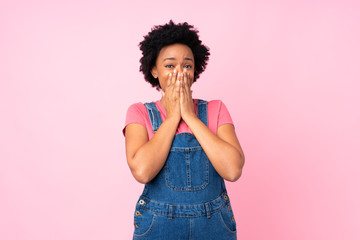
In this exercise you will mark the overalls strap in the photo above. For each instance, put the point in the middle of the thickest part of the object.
(154, 114)
(202, 111)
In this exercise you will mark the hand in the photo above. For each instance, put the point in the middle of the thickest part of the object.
(186, 100)
(171, 97)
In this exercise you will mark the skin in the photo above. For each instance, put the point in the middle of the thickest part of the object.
(175, 70)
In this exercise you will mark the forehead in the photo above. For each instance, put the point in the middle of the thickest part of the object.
(175, 50)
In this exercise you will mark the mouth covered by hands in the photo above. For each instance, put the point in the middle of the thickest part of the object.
(178, 96)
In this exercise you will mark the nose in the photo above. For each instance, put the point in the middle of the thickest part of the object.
(179, 69)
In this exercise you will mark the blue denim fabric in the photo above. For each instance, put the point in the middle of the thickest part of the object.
(188, 198)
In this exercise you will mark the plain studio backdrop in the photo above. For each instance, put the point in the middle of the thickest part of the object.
(288, 71)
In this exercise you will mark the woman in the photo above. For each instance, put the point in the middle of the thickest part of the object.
(181, 148)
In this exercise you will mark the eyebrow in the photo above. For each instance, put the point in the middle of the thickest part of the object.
(175, 59)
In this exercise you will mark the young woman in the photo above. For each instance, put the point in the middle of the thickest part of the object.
(181, 148)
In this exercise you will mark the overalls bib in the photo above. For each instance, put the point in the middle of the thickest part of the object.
(188, 198)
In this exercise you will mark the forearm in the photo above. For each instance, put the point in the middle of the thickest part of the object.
(226, 158)
(151, 157)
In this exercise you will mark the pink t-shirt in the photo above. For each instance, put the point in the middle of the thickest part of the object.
(217, 116)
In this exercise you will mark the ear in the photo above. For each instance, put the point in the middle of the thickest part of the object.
(154, 72)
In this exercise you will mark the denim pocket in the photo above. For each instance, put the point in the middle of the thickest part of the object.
(144, 221)
(187, 169)
(227, 218)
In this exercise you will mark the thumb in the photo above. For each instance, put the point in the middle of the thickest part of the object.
(162, 92)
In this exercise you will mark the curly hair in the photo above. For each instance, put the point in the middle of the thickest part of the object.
(167, 34)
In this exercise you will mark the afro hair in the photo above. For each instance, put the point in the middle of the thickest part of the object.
(167, 34)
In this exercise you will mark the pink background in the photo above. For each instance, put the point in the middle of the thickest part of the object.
(288, 72)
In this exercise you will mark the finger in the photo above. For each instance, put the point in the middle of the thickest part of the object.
(173, 79)
(178, 76)
(178, 81)
(185, 76)
(178, 85)
(184, 82)
(187, 90)
(176, 91)
(169, 79)
(181, 78)
(181, 92)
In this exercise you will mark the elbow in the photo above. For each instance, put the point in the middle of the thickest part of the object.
(234, 176)
(140, 176)
(138, 171)
(236, 173)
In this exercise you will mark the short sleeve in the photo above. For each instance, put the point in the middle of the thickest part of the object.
(224, 115)
(136, 113)
(218, 115)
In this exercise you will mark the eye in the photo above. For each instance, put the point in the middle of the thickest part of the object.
(188, 66)
(168, 66)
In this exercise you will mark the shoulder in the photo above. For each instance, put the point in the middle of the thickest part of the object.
(136, 111)
(214, 104)
(136, 106)
(219, 109)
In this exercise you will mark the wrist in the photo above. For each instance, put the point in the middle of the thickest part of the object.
(173, 119)
(189, 117)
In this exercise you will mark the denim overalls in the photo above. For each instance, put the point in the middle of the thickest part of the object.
(188, 198)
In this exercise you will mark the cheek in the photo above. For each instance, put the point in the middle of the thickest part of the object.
(192, 77)
(165, 75)
(163, 78)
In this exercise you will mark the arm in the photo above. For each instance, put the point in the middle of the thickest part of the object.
(146, 157)
(223, 150)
